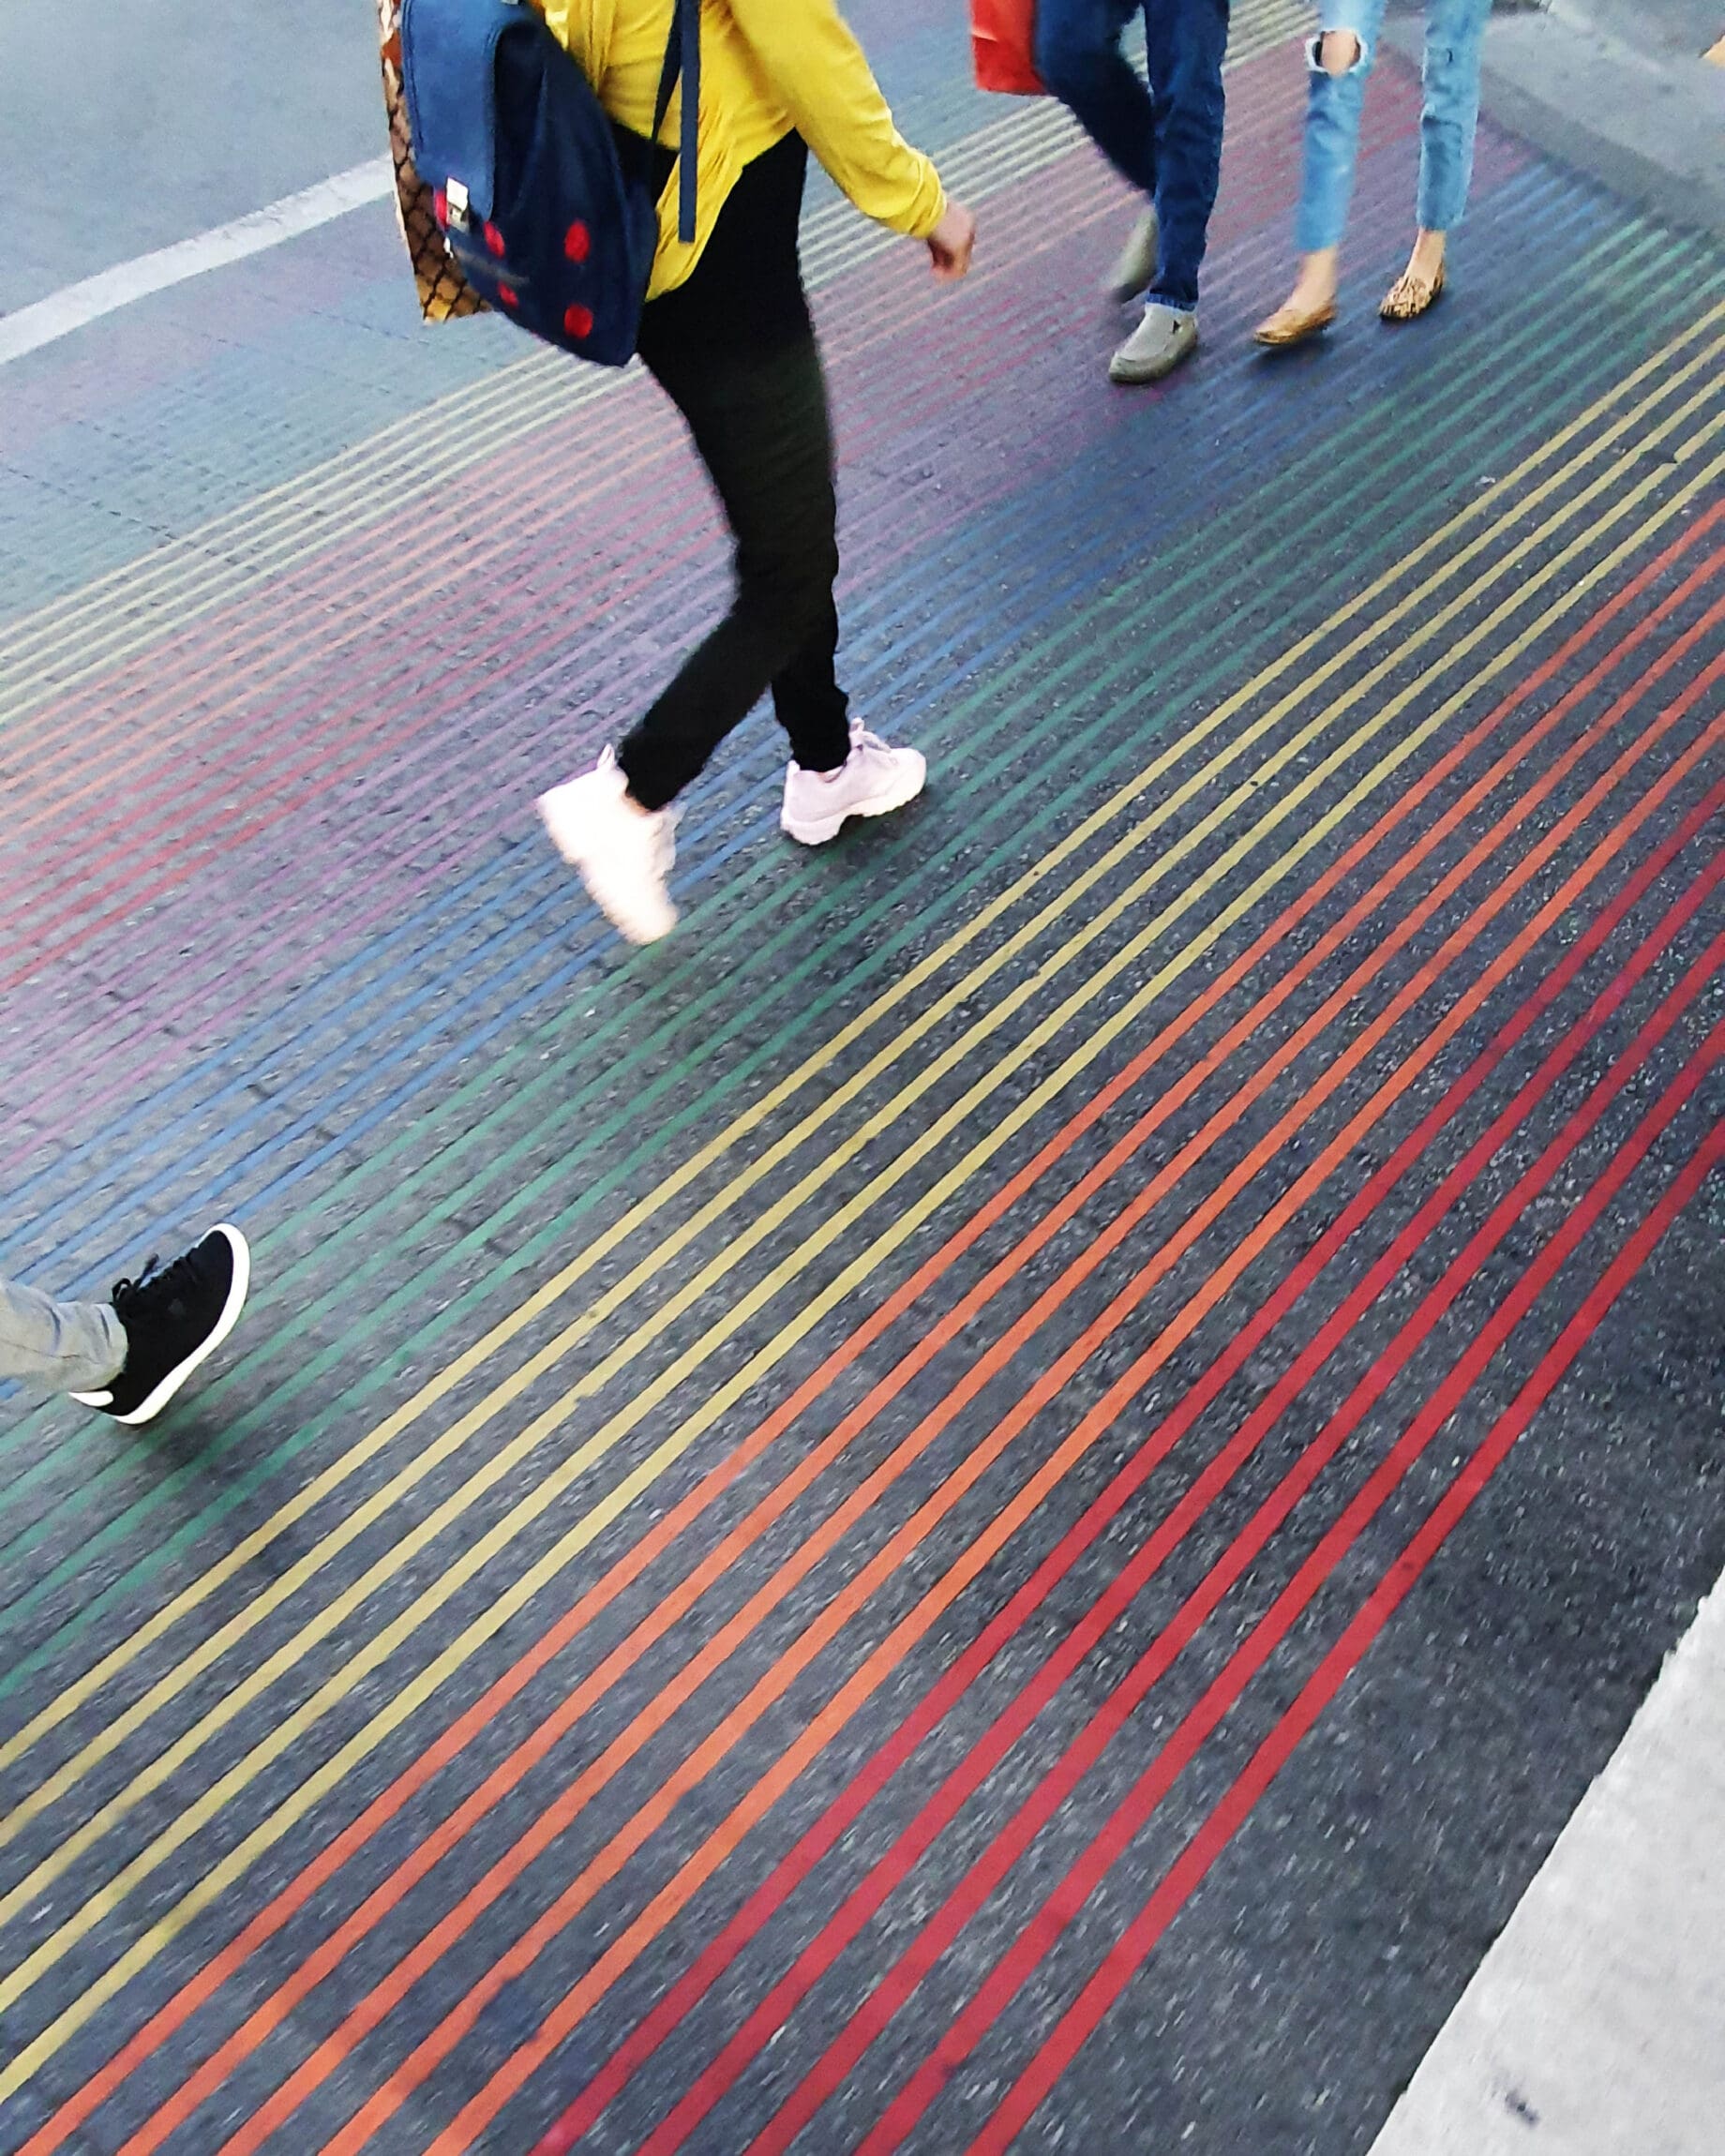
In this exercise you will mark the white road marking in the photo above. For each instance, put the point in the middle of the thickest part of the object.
(63, 312)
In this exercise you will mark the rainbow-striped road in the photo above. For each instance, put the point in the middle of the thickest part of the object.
(1001, 1498)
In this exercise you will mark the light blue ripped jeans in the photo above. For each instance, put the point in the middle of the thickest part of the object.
(1455, 30)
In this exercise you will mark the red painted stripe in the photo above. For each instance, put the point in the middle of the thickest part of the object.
(270, 1920)
(1057, 1786)
(852, 1597)
(278, 1912)
(651, 2032)
(1059, 1910)
(1137, 1942)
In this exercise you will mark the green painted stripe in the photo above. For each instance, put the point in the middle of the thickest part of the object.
(1366, 451)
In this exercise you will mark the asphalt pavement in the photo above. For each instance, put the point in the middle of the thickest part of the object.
(1047, 1484)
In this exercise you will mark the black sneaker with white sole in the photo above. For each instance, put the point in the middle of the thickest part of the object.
(175, 1318)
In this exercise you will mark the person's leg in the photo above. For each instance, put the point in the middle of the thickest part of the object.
(131, 1356)
(1339, 60)
(55, 1346)
(808, 701)
(735, 350)
(1455, 37)
(760, 424)
(771, 457)
(1079, 56)
(1185, 44)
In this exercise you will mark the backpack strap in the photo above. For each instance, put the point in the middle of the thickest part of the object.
(683, 59)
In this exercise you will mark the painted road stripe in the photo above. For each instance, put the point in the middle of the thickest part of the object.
(1596, 441)
(45, 321)
(319, 1111)
(949, 1328)
(502, 1461)
(383, 1644)
(671, 1608)
(556, 1818)
(559, 1228)
(198, 1130)
(1172, 1427)
(893, 1989)
(234, 553)
(468, 1564)
(845, 1602)
(1130, 1951)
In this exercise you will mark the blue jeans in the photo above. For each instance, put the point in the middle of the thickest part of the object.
(1455, 30)
(1167, 140)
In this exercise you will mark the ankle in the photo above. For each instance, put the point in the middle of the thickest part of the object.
(1427, 256)
(1318, 276)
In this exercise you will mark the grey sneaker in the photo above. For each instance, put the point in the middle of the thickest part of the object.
(1135, 264)
(1166, 336)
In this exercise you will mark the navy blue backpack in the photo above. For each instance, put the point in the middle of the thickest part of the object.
(550, 211)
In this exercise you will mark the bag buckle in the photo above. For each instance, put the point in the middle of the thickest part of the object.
(461, 216)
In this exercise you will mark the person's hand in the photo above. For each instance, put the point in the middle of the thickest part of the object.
(951, 242)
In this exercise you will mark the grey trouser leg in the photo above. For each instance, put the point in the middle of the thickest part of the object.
(60, 1347)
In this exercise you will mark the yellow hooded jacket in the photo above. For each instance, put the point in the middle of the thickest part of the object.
(767, 66)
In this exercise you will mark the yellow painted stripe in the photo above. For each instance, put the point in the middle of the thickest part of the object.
(116, 1730)
(291, 1732)
(125, 612)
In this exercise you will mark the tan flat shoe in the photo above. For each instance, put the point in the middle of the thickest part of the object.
(1410, 296)
(1291, 325)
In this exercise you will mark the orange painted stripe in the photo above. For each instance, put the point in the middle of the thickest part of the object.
(771, 1687)
(302, 1890)
(1174, 1752)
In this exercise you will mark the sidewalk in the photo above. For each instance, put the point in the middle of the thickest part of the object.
(1596, 2020)
(1617, 89)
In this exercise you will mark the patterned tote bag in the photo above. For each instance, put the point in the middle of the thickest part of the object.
(445, 294)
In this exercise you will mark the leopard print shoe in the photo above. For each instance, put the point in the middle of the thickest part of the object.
(1411, 296)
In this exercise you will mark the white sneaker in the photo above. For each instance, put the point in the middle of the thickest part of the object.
(1165, 337)
(873, 780)
(1135, 264)
(622, 852)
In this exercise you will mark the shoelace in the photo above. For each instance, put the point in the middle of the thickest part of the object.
(152, 1287)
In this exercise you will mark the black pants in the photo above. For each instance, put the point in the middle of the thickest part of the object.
(735, 350)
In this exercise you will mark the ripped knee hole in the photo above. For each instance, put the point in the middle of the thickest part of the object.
(1338, 51)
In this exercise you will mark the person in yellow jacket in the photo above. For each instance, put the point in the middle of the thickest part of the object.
(726, 333)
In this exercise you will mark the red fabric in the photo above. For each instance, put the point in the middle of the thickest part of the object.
(1003, 38)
